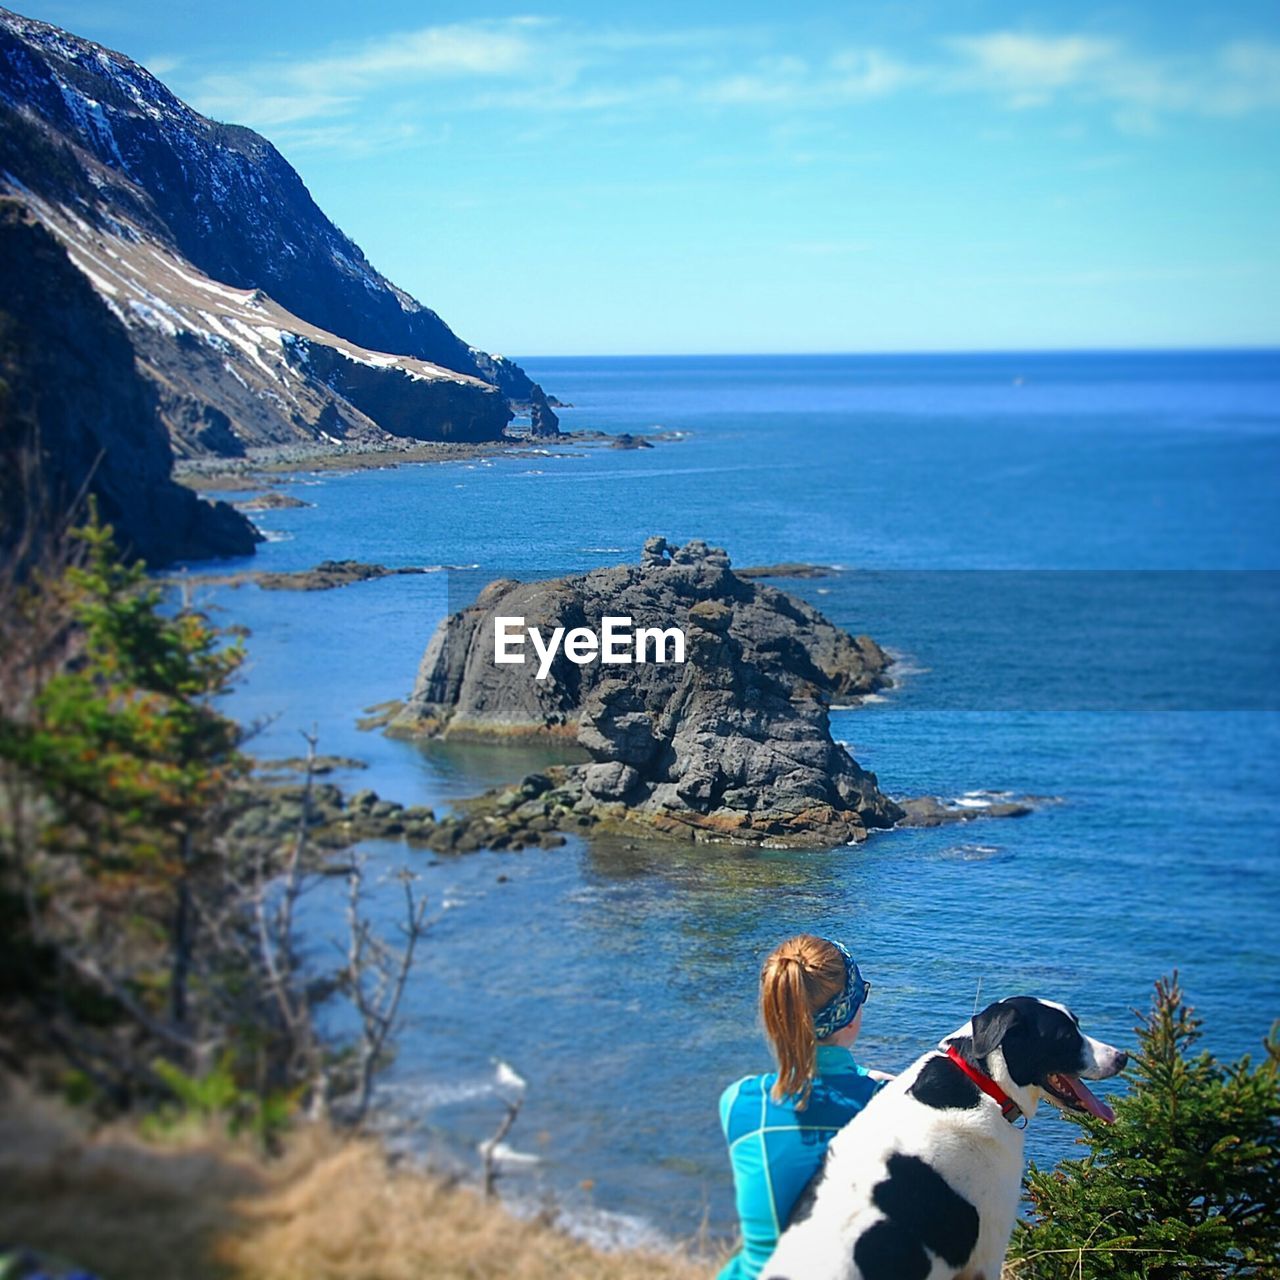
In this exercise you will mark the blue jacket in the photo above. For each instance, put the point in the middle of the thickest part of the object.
(775, 1149)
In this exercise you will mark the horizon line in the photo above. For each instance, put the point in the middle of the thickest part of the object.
(1212, 349)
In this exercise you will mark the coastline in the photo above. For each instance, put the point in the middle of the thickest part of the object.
(266, 464)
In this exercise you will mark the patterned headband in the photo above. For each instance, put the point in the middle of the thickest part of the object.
(838, 1012)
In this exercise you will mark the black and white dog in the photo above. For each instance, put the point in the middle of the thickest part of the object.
(924, 1183)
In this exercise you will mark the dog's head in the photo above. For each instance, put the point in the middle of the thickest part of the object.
(1035, 1047)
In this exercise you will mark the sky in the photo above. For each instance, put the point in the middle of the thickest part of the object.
(586, 178)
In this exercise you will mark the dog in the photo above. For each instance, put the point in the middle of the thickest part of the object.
(924, 1183)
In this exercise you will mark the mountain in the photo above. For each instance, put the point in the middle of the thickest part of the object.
(70, 390)
(254, 318)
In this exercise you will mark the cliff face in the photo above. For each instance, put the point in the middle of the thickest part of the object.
(138, 184)
(397, 397)
(733, 744)
(72, 400)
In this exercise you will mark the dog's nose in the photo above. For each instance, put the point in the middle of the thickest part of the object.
(1122, 1060)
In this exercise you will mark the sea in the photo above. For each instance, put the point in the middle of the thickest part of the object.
(1075, 559)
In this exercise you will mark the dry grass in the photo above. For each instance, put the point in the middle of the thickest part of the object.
(204, 1209)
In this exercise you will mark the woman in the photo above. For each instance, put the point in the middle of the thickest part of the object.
(778, 1125)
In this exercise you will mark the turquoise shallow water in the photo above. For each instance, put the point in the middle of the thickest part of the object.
(957, 492)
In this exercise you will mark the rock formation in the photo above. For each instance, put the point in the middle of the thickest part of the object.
(76, 418)
(543, 422)
(733, 744)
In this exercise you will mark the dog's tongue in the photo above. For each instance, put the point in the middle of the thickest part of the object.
(1072, 1085)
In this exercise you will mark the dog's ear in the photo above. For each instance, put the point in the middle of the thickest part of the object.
(992, 1025)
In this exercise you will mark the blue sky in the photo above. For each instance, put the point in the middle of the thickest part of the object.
(586, 178)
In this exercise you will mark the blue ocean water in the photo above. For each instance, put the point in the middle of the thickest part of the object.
(1008, 524)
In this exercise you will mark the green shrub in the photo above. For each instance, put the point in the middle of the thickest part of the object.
(217, 1097)
(1185, 1183)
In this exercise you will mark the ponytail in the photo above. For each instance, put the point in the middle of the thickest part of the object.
(798, 978)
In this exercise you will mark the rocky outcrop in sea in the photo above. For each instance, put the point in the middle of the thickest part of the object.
(732, 744)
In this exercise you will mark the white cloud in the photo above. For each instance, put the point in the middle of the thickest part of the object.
(550, 67)
(479, 49)
(285, 92)
(847, 76)
(1028, 67)
(1247, 78)
(162, 64)
(351, 138)
(1030, 70)
(567, 95)
(869, 73)
(247, 100)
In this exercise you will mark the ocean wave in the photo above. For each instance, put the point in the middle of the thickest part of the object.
(980, 799)
(904, 663)
(862, 702)
(417, 1096)
(603, 1229)
(405, 1098)
(613, 1232)
(973, 852)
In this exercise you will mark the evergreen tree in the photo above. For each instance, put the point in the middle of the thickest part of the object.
(1185, 1183)
(113, 763)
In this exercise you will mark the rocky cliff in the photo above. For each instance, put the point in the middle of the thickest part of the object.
(77, 418)
(209, 248)
(732, 744)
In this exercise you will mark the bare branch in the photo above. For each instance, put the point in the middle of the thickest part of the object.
(376, 977)
(489, 1149)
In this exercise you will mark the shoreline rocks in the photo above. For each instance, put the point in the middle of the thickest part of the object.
(326, 576)
(538, 812)
(935, 811)
(272, 500)
(790, 569)
(263, 465)
(272, 813)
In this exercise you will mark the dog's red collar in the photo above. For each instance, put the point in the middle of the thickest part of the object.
(1008, 1108)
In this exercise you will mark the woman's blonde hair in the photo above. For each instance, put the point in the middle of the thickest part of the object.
(799, 977)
